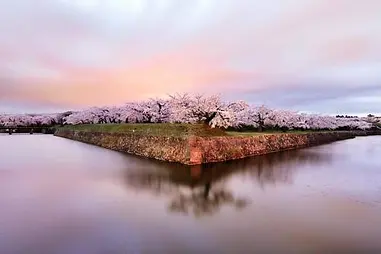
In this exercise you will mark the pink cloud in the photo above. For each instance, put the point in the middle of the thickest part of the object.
(98, 62)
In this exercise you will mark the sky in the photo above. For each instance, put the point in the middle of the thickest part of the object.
(309, 55)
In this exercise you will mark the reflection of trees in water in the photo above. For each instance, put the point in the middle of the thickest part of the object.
(205, 201)
(190, 192)
(202, 190)
(277, 167)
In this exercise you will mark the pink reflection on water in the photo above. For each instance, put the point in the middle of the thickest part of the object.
(60, 196)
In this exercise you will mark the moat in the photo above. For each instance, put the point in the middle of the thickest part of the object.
(62, 196)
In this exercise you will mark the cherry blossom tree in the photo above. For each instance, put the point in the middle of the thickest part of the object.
(24, 120)
(210, 110)
(151, 111)
(126, 114)
(186, 108)
(257, 117)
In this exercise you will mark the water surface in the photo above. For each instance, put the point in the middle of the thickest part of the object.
(61, 196)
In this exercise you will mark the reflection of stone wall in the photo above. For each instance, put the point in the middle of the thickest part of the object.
(197, 150)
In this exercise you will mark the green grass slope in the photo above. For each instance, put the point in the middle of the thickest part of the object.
(164, 129)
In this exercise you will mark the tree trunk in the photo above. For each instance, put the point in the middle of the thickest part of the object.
(210, 118)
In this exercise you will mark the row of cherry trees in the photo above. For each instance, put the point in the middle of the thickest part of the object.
(185, 108)
(32, 120)
(177, 109)
(212, 110)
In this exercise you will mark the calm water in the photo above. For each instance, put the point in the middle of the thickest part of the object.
(63, 197)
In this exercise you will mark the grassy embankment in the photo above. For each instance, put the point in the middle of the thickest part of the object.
(166, 129)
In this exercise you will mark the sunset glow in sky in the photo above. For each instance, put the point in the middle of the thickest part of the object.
(310, 55)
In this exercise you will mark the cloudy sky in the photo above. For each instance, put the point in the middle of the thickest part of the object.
(311, 55)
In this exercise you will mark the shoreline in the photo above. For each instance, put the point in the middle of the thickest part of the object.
(198, 149)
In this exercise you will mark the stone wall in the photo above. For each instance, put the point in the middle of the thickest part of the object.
(367, 132)
(172, 149)
(206, 150)
(194, 150)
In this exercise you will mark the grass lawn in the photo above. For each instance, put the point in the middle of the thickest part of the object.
(165, 129)
(177, 130)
